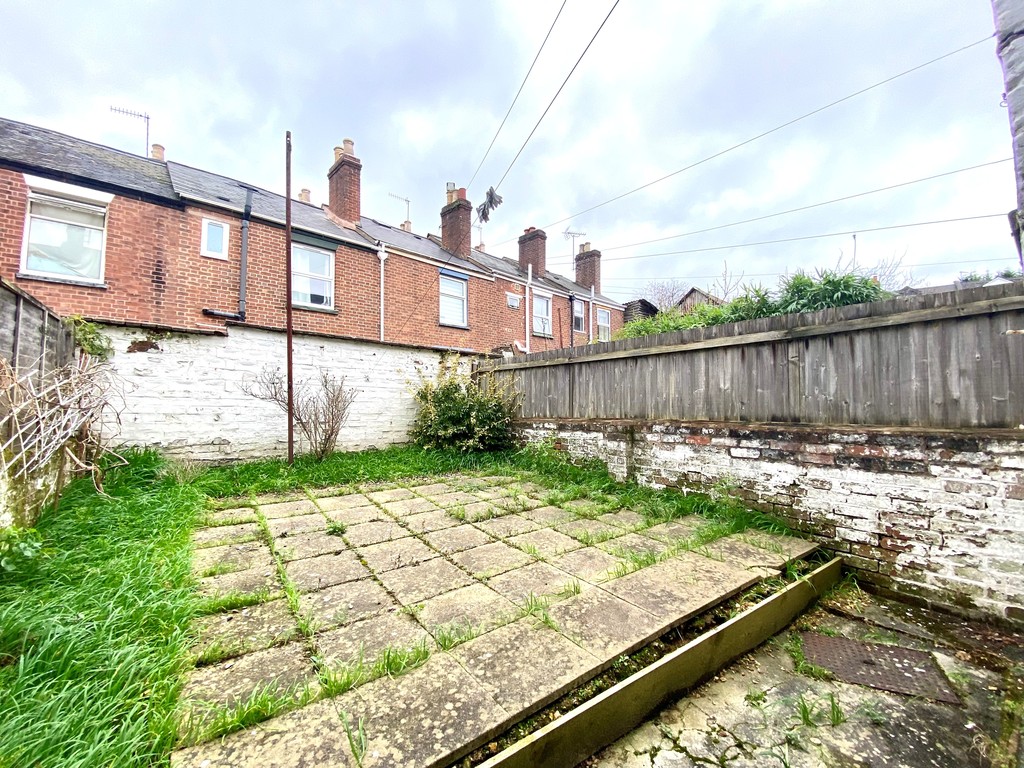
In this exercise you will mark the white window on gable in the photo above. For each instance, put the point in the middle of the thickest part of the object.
(578, 316)
(541, 315)
(312, 277)
(64, 232)
(454, 300)
(604, 325)
(215, 239)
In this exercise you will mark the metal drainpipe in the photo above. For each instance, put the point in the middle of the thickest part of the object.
(572, 320)
(529, 282)
(590, 326)
(382, 254)
(244, 275)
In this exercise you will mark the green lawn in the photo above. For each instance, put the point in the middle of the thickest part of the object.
(94, 632)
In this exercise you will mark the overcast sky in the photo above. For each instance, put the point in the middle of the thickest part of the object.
(421, 87)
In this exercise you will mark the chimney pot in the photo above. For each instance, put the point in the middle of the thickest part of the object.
(350, 146)
(338, 152)
(304, 195)
(407, 225)
(158, 152)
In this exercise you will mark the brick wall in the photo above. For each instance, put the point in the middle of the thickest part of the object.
(934, 516)
(155, 276)
(182, 393)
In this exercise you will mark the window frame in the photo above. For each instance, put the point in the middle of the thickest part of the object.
(604, 330)
(458, 279)
(204, 242)
(59, 193)
(330, 279)
(579, 311)
(549, 333)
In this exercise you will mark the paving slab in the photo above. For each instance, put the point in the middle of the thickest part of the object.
(604, 624)
(589, 530)
(412, 584)
(548, 516)
(789, 547)
(297, 506)
(389, 555)
(633, 542)
(673, 530)
(225, 534)
(432, 489)
(309, 545)
(311, 737)
(481, 510)
(524, 665)
(546, 542)
(735, 550)
(506, 526)
(254, 628)
(315, 573)
(391, 494)
(231, 516)
(247, 582)
(590, 564)
(491, 559)
(428, 717)
(476, 606)
(583, 507)
(228, 683)
(363, 640)
(291, 526)
(517, 502)
(538, 579)
(411, 506)
(357, 515)
(348, 501)
(425, 522)
(232, 557)
(364, 534)
(624, 518)
(682, 586)
(345, 603)
(454, 499)
(457, 539)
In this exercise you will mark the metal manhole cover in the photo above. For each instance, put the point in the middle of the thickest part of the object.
(885, 667)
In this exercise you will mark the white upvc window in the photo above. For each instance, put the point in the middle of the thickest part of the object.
(65, 232)
(578, 317)
(454, 300)
(215, 239)
(541, 315)
(312, 277)
(604, 325)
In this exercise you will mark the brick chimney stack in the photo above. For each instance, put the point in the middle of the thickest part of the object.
(533, 250)
(157, 152)
(343, 183)
(456, 223)
(588, 267)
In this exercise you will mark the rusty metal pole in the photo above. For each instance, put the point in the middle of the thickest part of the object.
(288, 288)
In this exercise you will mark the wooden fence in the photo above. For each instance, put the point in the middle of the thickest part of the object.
(32, 338)
(942, 360)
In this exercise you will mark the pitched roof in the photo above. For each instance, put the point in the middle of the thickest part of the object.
(222, 192)
(48, 153)
(552, 281)
(413, 243)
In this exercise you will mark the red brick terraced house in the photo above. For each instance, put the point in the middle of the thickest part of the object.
(185, 271)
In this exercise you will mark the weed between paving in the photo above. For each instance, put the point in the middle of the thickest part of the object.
(95, 636)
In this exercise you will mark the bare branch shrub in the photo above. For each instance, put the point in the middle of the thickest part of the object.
(665, 294)
(320, 408)
(39, 421)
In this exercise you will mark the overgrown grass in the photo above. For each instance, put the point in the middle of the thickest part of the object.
(97, 629)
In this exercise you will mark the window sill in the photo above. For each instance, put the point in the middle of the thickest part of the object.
(543, 335)
(60, 280)
(321, 310)
(216, 256)
(454, 325)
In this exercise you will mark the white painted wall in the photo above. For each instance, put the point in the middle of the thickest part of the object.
(185, 397)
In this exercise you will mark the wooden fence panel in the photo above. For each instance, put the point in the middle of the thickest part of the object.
(937, 360)
(32, 338)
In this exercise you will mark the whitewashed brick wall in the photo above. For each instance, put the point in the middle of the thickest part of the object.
(936, 516)
(182, 393)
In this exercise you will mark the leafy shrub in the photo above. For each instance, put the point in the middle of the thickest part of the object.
(801, 293)
(455, 411)
(18, 547)
(89, 338)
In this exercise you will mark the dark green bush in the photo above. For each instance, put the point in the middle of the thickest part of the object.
(457, 412)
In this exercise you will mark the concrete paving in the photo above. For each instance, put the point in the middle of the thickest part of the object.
(516, 602)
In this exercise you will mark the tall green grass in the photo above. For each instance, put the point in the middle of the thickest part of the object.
(93, 635)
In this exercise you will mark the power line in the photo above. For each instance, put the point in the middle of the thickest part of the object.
(766, 133)
(522, 85)
(805, 237)
(808, 207)
(550, 103)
